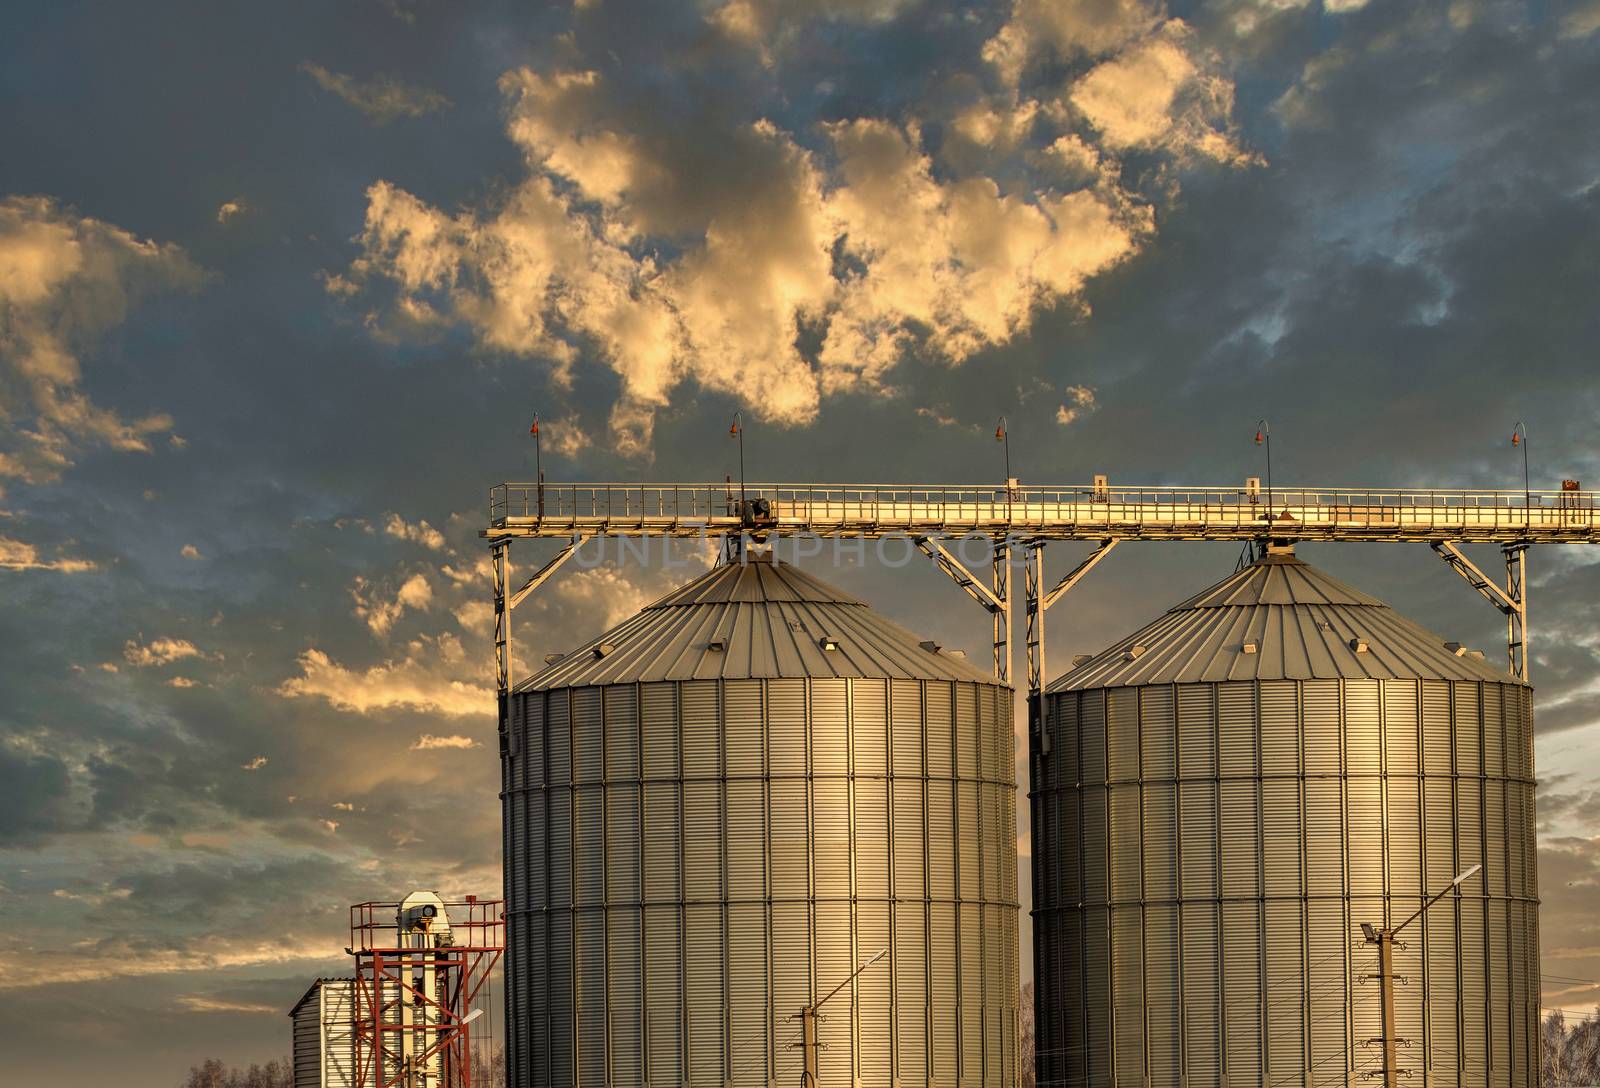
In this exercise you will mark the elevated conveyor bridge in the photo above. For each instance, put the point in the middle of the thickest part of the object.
(1016, 518)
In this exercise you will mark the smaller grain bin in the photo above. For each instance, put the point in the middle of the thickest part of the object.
(1221, 799)
(323, 1041)
(717, 809)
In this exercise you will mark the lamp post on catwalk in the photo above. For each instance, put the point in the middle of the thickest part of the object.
(538, 462)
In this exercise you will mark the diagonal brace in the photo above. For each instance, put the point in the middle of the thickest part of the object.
(960, 574)
(1475, 577)
(547, 570)
(1072, 579)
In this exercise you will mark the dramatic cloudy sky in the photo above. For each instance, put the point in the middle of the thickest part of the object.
(280, 285)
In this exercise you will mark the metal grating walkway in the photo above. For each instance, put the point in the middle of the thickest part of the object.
(1045, 513)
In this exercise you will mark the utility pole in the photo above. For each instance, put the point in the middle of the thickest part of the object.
(1384, 939)
(808, 1026)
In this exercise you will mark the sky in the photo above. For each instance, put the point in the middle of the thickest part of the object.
(281, 285)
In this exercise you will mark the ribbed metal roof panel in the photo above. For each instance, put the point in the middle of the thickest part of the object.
(770, 619)
(1300, 623)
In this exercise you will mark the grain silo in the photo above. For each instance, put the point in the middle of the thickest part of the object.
(716, 810)
(1221, 799)
(323, 1035)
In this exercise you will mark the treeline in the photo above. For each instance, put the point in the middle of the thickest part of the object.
(490, 1072)
(1571, 1050)
(213, 1074)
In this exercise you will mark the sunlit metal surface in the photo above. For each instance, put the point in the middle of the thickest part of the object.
(701, 842)
(1080, 512)
(1221, 799)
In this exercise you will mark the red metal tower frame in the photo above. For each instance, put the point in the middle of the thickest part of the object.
(385, 973)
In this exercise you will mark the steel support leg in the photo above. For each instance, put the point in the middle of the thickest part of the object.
(1512, 601)
(1517, 615)
(504, 602)
(1002, 615)
(1033, 612)
(501, 555)
(1038, 601)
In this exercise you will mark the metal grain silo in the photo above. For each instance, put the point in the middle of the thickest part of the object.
(716, 810)
(1221, 799)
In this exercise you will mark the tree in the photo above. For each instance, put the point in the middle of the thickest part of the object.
(211, 1073)
(1571, 1050)
(1025, 1040)
(488, 1069)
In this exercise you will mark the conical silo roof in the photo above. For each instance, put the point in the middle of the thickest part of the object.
(756, 619)
(1280, 618)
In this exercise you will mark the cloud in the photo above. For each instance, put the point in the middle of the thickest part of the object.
(17, 555)
(419, 533)
(65, 280)
(157, 652)
(1093, 27)
(254, 764)
(382, 98)
(1080, 401)
(565, 436)
(962, 261)
(182, 682)
(816, 275)
(1582, 21)
(429, 743)
(37, 788)
(1154, 95)
(95, 898)
(380, 612)
(189, 551)
(479, 575)
(607, 594)
(426, 678)
(231, 209)
(475, 616)
(205, 1003)
(764, 24)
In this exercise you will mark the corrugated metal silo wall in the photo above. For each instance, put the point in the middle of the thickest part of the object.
(339, 1034)
(306, 1043)
(689, 863)
(1205, 854)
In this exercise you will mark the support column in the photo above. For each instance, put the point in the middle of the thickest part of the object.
(1512, 601)
(1386, 981)
(501, 556)
(1033, 612)
(1002, 615)
(1517, 615)
(808, 1046)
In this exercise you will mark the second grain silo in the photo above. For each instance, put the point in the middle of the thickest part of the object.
(716, 810)
(1221, 799)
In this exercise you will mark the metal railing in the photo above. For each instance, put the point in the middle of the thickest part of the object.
(1070, 512)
